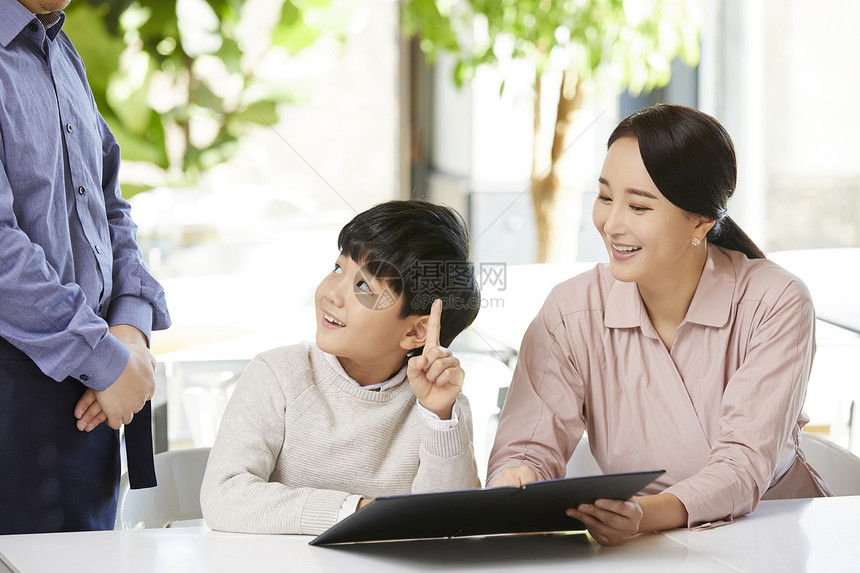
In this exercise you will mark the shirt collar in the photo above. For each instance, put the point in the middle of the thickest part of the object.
(16, 18)
(392, 382)
(711, 304)
(624, 306)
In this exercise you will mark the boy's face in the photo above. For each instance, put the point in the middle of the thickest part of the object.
(358, 317)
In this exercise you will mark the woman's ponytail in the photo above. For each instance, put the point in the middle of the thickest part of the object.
(728, 235)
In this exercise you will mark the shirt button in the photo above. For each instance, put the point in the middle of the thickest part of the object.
(33, 27)
(84, 377)
(69, 127)
(81, 190)
(98, 249)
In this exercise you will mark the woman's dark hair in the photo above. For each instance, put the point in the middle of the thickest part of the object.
(691, 159)
(421, 250)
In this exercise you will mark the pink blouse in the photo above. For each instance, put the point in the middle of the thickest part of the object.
(721, 412)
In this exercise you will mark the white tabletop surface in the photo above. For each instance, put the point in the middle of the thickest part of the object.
(793, 535)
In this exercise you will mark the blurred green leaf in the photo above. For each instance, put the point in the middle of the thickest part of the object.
(261, 112)
(129, 190)
(231, 54)
(99, 49)
(203, 97)
(638, 38)
(611, 44)
(149, 149)
(110, 11)
(128, 44)
(292, 33)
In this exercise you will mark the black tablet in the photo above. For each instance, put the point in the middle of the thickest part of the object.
(533, 508)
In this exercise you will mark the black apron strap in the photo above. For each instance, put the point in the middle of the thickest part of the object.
(138, 449)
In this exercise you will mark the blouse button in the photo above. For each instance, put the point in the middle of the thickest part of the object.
(69, 127)
(81, 190)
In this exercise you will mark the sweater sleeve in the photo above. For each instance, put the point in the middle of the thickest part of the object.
(237, 494)
(446, 460)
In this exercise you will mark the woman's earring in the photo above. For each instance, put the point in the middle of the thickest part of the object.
(696, 241)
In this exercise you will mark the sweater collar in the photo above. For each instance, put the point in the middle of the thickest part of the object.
(392, 382)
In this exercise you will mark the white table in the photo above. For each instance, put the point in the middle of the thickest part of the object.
(794, 535)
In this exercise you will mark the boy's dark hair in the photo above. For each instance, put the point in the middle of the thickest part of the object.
(421, 250)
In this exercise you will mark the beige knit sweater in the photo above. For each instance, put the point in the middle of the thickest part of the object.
(297, 439)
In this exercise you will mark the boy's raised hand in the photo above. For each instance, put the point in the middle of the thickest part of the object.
(435, 376)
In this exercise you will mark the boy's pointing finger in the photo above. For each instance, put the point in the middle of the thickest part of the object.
(434, 324)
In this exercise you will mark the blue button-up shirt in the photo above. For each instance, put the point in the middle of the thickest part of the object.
(69, 262)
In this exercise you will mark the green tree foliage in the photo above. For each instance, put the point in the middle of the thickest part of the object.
(612, 44)
(173, 79)
(634, 40)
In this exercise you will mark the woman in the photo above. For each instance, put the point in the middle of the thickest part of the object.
(689, 352)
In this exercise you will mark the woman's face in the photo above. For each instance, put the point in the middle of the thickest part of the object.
(648, 238)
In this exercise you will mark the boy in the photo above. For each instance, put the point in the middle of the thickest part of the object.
(314, 432)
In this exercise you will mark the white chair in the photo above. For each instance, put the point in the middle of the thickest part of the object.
(204, 408)
(839, 467)
(485, 375)
(175, 499)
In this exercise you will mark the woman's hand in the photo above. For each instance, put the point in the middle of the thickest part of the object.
(515, 477)
(609, 521)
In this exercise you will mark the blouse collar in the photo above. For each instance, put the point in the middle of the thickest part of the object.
(711, 304)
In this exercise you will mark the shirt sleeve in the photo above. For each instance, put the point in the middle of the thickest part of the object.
(446, 459)
(349, 506)
(236, 494)
(542, 420)
(47, 320)
(435, 421)
(760, 408)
